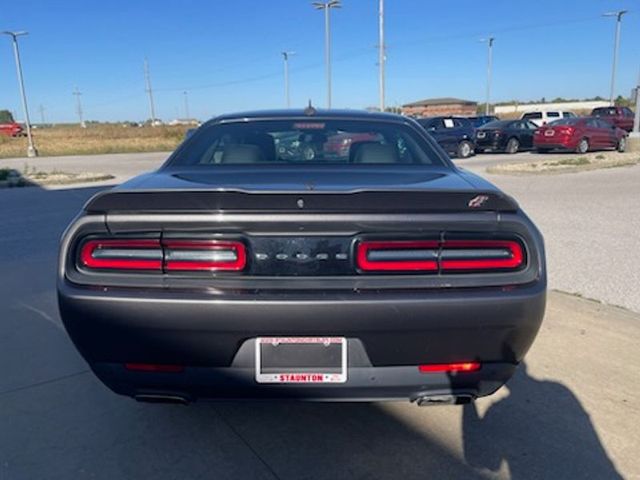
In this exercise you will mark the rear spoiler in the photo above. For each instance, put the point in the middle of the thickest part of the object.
(150, 201)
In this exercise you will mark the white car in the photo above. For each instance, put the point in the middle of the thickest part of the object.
(541, 118)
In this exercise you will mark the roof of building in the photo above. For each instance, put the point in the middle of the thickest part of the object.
(440, 101)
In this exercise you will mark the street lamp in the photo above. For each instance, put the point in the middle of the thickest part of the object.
(327, 6)
(616, 43)
(285, 56)
(31, 149)
(489, 42)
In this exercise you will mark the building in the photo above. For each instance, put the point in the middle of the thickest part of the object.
(432, 107)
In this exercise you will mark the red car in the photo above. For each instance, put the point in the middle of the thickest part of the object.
(621, 117)
(12, 129)
(580, 135)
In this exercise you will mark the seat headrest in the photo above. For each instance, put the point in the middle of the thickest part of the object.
(265, 142)
(373, 152)
(240, 153)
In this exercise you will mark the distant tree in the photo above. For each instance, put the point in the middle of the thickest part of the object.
(621, 101)
(6, 116)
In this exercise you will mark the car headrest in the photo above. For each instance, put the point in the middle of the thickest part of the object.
(265, 142)
(241, 153)
(373, 152)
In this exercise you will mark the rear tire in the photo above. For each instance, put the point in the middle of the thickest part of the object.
(622, 145)
(513, 145)
(465, 149)
(583, 146)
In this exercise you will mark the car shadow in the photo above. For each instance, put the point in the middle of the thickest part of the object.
(540, 430)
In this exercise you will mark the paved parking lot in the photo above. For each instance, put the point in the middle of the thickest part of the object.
(567, 414)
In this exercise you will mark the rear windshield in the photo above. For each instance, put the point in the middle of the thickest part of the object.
(305, 142)
(604, 111)
(497, 124)
(566, 121)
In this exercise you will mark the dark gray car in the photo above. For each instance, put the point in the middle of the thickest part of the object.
(374, 271)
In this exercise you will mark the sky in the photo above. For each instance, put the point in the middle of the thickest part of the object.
(227, 54)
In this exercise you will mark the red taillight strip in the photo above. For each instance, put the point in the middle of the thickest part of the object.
(125, 258)
(514, 260)
(450, 367)
(187, 255)
(365, 263)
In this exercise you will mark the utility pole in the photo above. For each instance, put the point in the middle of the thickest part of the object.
(616, 44)
(41, 109)
(186, 105)
(287, 99)
(77, 94)
(636, 121)
(382, 58)
(489, 41)
(31, 149)
(147, 78)
(327, 6)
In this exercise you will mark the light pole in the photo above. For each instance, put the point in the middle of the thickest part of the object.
(489, 42)
(327, 6)
(616, 43)
(77, 94)
(381, 53)
(31, 149)
(285, 56)
(147, 79)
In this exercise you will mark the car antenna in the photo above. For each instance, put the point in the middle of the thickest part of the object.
(310, 110)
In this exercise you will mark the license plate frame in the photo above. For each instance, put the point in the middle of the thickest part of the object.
(296, 374)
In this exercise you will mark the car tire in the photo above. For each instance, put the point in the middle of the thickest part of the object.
(465, 149)
(513, 145)
(583, 146)
(622, 145)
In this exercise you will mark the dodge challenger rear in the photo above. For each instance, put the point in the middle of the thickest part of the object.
(379, 271)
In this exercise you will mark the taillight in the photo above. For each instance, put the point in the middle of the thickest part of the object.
(566, 131)
(122, 254)
(165, 255)
(434, 255)
(398, 256)
(199, 255)
(450, 367)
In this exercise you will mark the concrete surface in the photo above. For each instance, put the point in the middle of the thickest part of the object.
(570, 413)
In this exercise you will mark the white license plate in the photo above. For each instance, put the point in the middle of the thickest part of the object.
(301, 359)
(549, 133)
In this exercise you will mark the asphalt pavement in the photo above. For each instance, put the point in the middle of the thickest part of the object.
(570, 412)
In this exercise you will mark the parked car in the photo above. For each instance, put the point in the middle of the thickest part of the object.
(12, 129)
(541, 118)
(454, 134)
(580, 135)
(508, 136)
(232, 272)
(481, 120)
(621, 117)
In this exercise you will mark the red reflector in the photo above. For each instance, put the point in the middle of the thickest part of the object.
(399, 255)
(450, 367)
(154, 367)
(512, 255)
(122, 254)
(210, 255)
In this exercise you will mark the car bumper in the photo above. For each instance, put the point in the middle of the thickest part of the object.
(389, 335)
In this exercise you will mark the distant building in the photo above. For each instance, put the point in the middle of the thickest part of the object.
(440, 106)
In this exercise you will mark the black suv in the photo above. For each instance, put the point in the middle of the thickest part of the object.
(454, 134)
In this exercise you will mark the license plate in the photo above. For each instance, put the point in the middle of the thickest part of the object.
(481, 134)
(549, 133)
(301, 360)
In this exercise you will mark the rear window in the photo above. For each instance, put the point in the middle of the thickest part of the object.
(305, 142)
(566, 121)
(532, 115)
(498, 124)
(604, 111)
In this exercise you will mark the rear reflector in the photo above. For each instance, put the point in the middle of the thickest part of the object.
(209, 255)
(450, 367)
(122, 254)
(154, 367)
(165, 255)
(433, 255)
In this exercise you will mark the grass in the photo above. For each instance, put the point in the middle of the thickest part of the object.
(572, 161)
(570, 164)
(95, 139)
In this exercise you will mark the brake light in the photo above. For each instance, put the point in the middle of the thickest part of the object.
(444, 256)
(165, 255)
(122, 254)
(398, 256)
(208, 255)
(566, 131)
(450, 367)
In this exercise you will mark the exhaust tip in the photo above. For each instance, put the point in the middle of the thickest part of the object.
(432, 400)
(162, 398)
